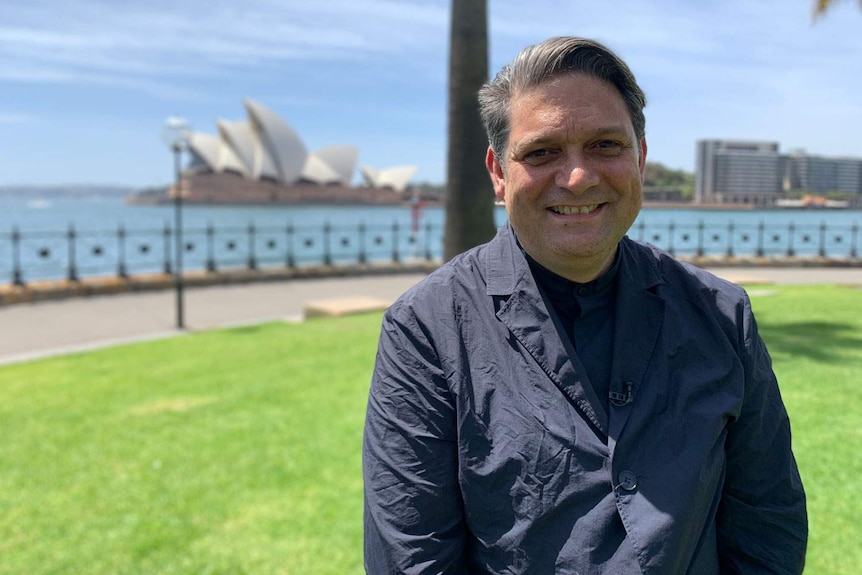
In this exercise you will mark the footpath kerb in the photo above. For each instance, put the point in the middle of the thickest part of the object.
(46, 328)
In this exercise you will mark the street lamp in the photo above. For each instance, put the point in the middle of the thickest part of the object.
(175, 134)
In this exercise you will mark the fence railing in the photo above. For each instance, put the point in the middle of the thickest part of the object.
(72, 254)
(753, 239)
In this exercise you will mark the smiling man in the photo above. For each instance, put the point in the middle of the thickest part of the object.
(564, 399)
(571, 173)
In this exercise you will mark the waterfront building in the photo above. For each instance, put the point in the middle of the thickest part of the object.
(738, 172)
(666, 195)
(395, 178)
(756, 173)
(821, 175)
(263, 160)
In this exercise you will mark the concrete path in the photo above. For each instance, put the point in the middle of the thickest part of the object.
(33, 330)
(29, 331)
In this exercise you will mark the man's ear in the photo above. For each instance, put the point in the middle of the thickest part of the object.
(642, 157)
(495, 170)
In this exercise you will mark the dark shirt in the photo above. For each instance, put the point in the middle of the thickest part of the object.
(585, 314)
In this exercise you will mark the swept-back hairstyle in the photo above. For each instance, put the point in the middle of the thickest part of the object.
(538, 64)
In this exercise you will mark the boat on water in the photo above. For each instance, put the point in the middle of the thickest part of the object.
(38, 204)
(816, 202)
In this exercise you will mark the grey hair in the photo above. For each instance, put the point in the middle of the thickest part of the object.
(538, 64)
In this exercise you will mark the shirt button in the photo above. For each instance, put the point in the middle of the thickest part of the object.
(628, 480)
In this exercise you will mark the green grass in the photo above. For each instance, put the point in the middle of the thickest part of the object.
(225, 452)
(238, 451)
(814, 335)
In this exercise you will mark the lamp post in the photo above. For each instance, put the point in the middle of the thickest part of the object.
(175, 135)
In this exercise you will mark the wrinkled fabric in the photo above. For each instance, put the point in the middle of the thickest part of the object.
(584, 314)
(486, 452)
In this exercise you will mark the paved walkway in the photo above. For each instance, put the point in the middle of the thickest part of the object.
(29, 331)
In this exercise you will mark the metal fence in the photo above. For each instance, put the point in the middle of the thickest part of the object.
(27, 256)
(72, 254)
(750, 239)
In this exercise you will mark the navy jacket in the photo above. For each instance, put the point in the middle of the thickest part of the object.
(487, 451)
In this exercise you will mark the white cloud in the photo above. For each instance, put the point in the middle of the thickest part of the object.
(82, 41)
(373, 72)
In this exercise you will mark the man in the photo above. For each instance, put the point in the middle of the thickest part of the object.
(563, 399)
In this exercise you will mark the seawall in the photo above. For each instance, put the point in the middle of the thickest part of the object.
(37, 291)
(11, 294)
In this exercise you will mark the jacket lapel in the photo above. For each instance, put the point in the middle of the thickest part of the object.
(639, 317)
(525, 314)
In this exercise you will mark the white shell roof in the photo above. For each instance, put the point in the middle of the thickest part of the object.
(318, 171)
(370, 175)
(238, 137)
(342, 159)
(228, 161)
(212, 151)
(206, 148)
(279, 149)
(265, 146)
(396, 177)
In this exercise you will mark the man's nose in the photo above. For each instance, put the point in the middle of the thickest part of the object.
(577, 174)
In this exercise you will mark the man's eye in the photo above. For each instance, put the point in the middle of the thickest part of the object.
(537, 154)
(609, 145)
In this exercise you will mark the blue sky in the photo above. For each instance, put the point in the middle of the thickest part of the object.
(86, 85)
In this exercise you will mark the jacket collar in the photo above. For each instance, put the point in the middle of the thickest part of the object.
(505, 265)
(638, 321)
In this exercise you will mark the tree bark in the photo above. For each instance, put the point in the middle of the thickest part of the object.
(469, 195)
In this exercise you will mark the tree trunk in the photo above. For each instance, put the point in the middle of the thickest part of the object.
(469, 195)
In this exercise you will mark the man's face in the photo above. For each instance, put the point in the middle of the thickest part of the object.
(571, 174)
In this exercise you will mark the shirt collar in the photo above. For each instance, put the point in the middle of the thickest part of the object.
(558, 286)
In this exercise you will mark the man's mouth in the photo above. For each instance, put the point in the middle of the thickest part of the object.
(568, 210)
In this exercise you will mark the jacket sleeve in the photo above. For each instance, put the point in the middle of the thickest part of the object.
(762, 520)
(413, 510)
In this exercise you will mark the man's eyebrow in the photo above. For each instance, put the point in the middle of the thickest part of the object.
(533, 142)
(545, 139)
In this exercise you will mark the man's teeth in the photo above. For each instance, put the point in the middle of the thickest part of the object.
(574, 209)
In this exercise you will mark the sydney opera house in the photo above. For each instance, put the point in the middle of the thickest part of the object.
(263, 160)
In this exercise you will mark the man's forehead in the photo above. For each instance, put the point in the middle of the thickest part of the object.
(561, 100)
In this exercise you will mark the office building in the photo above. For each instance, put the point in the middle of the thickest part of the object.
(819, 175)
(736, 171)
(756, 173)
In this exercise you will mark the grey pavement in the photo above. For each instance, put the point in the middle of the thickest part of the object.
(35, 330)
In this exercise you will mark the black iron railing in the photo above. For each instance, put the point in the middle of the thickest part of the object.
(73, 254)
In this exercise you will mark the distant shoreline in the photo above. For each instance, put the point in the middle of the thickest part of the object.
(133, 196)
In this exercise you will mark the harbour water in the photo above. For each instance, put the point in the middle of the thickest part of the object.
(67, 237)
(104, 213)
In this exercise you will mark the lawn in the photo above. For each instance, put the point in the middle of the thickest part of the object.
(814, 335)
(238, 451)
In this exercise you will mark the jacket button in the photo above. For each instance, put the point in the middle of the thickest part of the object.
(628, 480)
